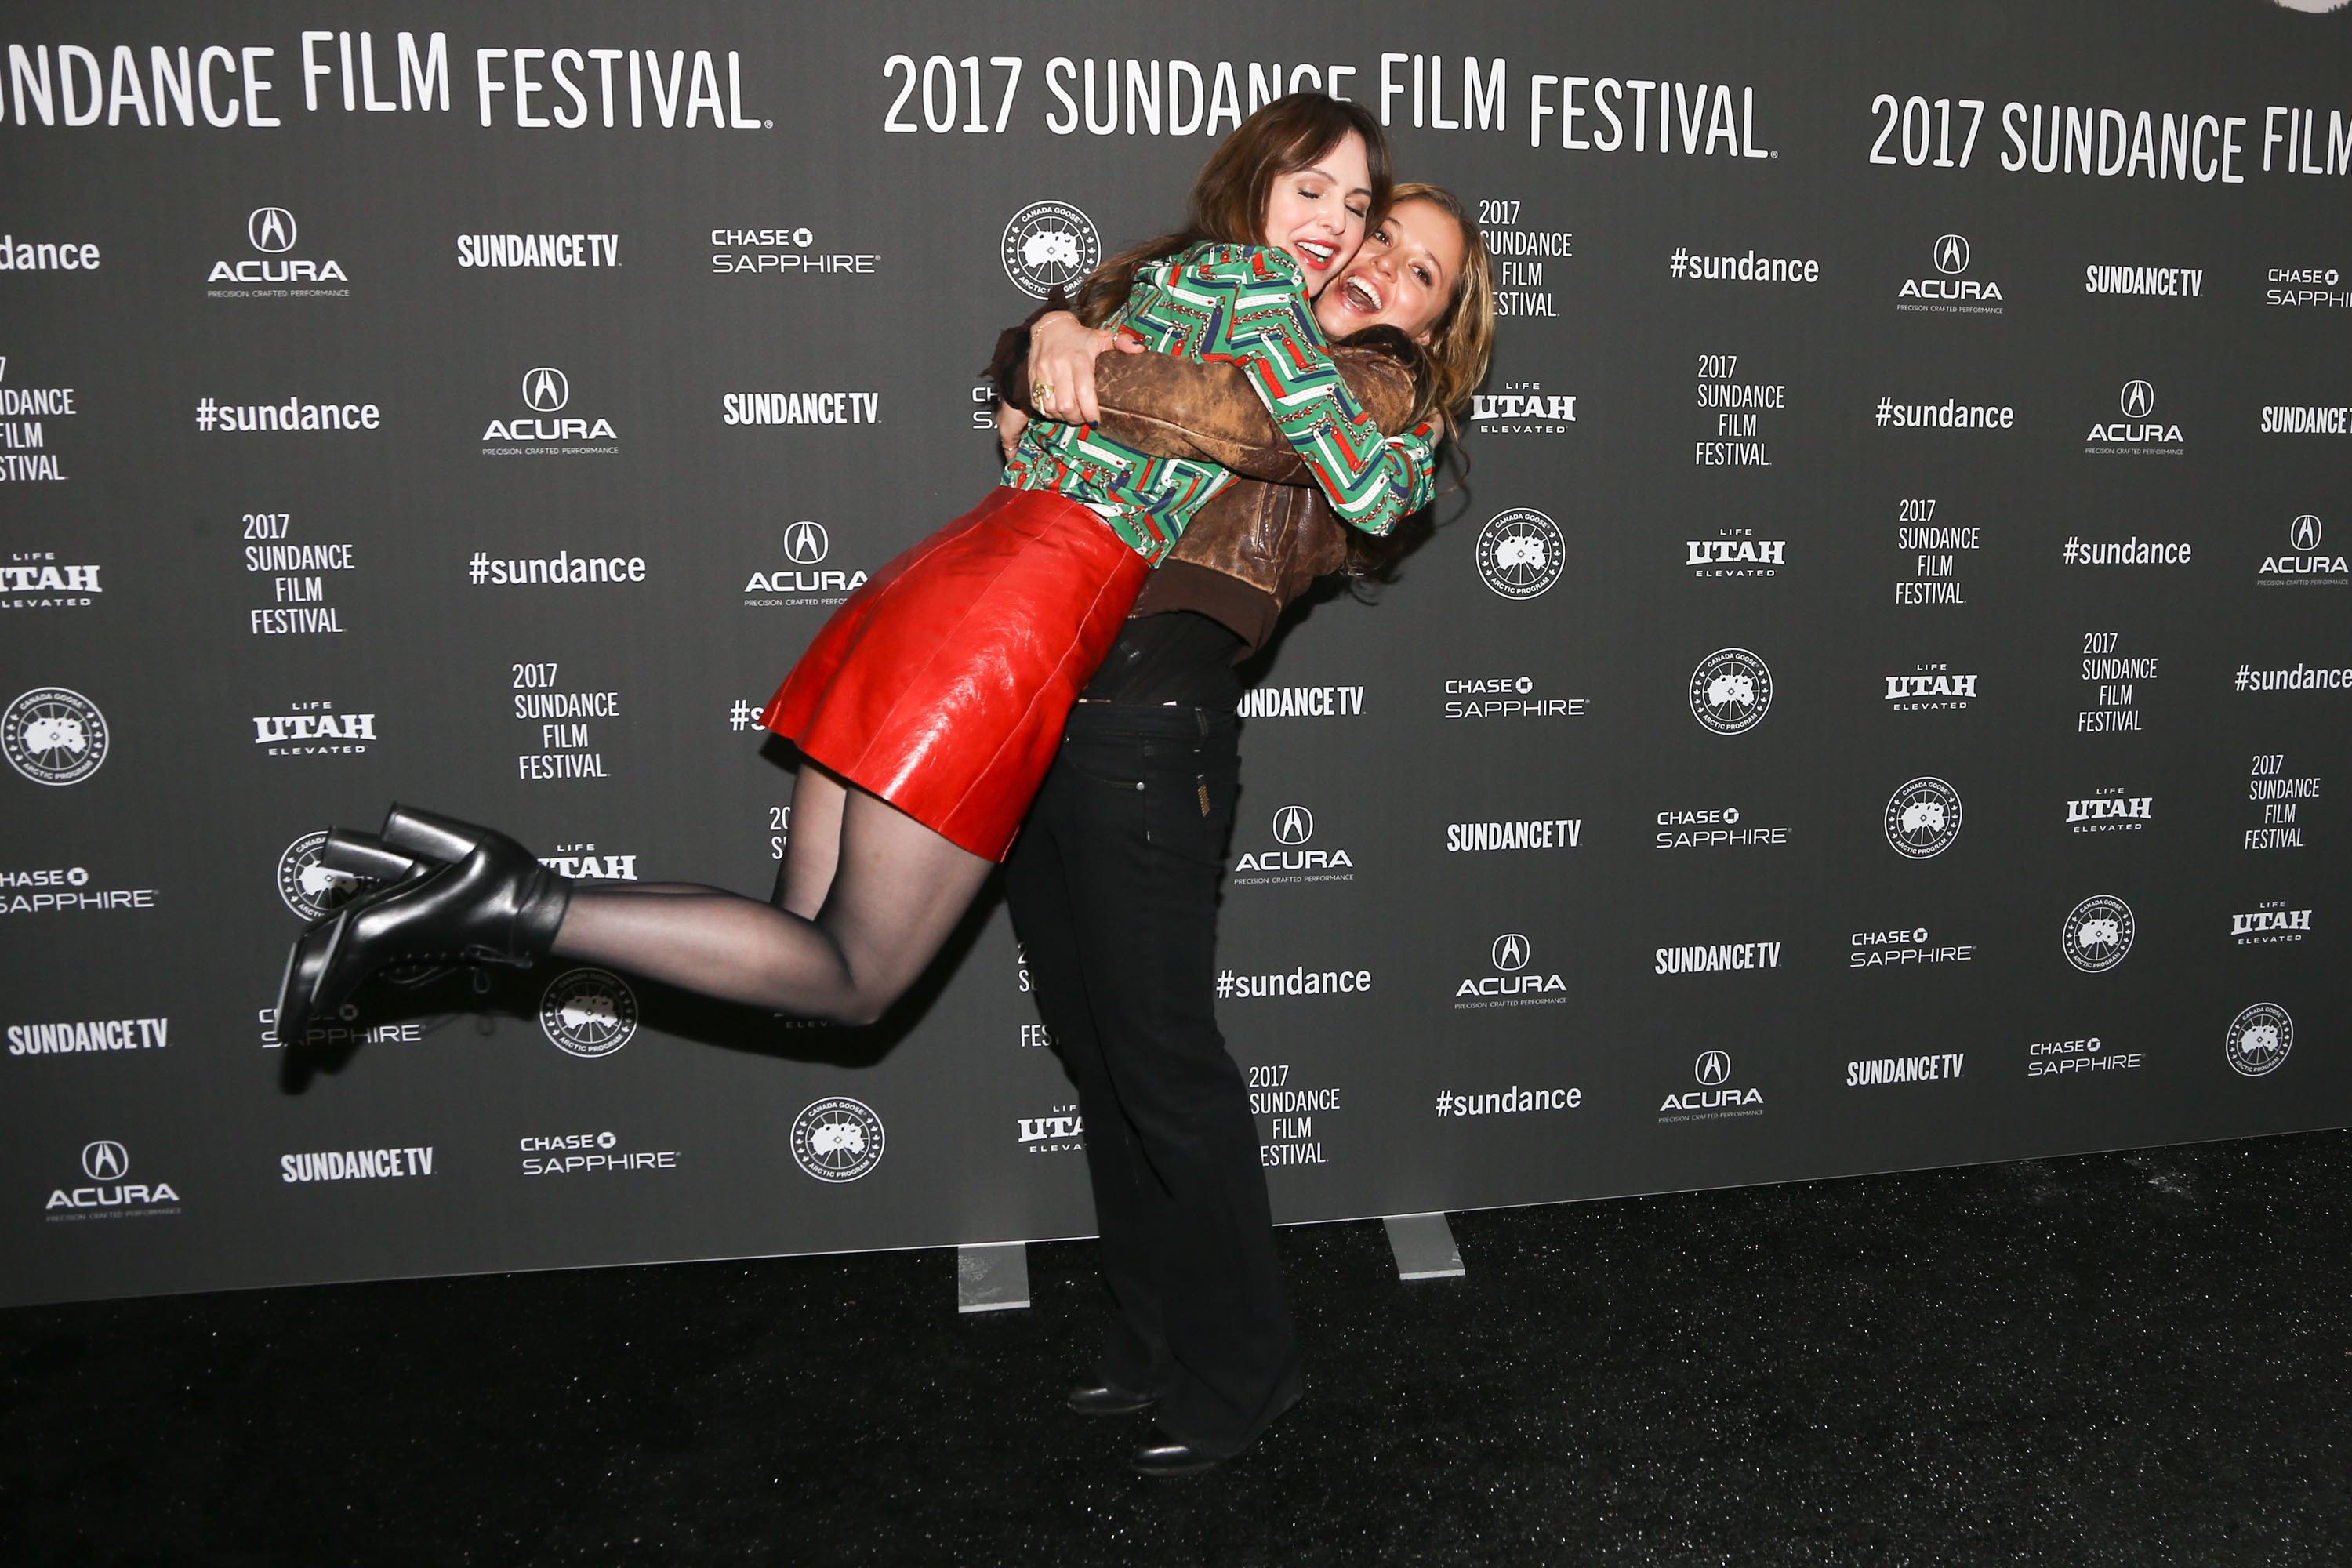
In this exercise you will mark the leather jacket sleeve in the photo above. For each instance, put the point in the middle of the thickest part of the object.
(1176, 408)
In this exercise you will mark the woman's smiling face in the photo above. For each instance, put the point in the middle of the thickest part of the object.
(1315, 215)
(1402, 277)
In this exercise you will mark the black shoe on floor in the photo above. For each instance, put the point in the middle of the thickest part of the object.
(1109, 1399)
(1173, 1458)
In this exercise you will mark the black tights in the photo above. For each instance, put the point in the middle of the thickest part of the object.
(866, 897)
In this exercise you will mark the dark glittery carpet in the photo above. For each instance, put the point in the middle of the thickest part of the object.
(2134, 1359)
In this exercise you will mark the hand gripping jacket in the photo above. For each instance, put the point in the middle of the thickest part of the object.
(1240, 305)
(1257, 543)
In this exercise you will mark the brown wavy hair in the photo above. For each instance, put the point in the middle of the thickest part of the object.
(1230, 194)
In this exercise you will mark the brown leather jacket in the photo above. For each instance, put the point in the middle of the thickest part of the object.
(1258, 542)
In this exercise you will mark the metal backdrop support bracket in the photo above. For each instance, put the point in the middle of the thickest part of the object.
(992, 1277)
(1423, 1246)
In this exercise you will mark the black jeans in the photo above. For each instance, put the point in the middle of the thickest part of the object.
(1113, 886)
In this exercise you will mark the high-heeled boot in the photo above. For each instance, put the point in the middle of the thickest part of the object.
(373, 865)
(430, 836)
(497, 904)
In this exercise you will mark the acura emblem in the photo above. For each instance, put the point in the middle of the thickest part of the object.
(546, 389)
(271, 229)
(806, 544)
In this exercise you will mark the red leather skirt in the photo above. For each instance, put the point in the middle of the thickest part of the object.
(942, 684)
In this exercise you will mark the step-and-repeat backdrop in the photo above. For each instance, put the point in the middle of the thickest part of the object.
(1878, 696)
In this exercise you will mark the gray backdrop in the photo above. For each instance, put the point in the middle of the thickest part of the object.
(1847, 817)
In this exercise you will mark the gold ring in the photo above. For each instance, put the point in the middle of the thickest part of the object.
(1043, 392)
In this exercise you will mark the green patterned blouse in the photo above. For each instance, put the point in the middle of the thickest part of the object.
(1241, 304)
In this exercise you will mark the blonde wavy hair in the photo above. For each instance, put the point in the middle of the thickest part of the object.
(1462, 342)
(1447, 370)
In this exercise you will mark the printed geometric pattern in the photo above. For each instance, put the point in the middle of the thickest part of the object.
(1241, 304)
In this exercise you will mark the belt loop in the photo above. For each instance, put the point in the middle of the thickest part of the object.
(1200, 717)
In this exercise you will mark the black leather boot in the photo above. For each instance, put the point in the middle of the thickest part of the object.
(374, 864)
(496, 905)
(428, 836)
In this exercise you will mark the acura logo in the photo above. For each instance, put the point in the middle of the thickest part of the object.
(104, 1161)
(2138, 399)
(1951, 254)
(806, 544)
(1510, 950)
(546, 389)
(1293, 825)
(2307, 534)
(271, 229)
(1712, 1067)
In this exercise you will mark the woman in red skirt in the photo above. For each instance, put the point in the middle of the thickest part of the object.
(929, 705)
